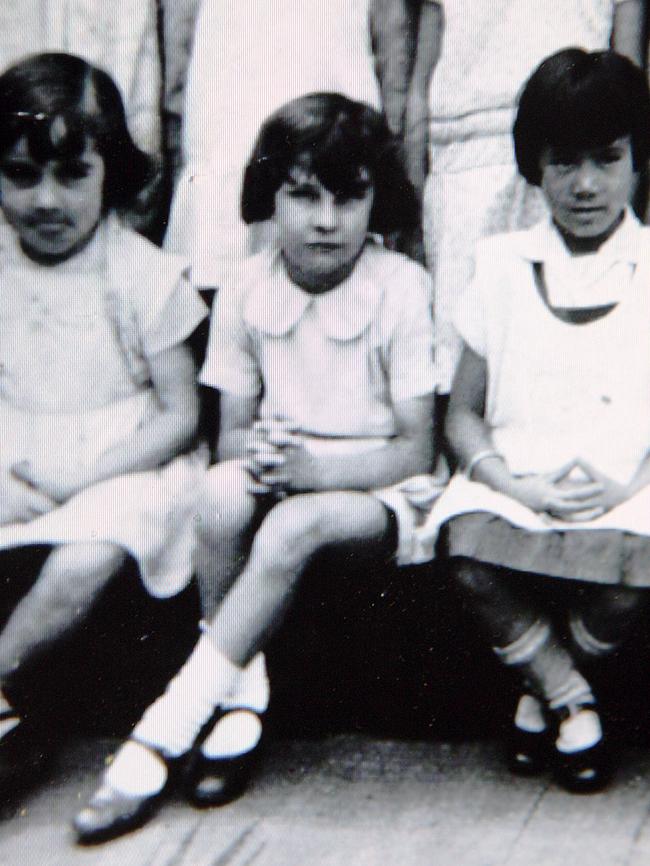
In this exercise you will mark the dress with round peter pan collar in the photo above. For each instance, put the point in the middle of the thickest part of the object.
(335, 363)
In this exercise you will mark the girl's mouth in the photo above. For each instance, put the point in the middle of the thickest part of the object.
(587, 210)
(324, 247)
(51, 227)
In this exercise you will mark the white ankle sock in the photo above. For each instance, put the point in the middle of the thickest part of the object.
(136, 771)
(173, 721)
(252, 687)
(235, 734)
(530, 715)
(580, 731)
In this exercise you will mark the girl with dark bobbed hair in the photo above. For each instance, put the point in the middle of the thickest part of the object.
(56, 102)
(576, 100)
(322, 352)
(332, 137)
(549, 414)
(98, 404)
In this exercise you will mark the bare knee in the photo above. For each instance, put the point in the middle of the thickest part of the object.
(298, 527)
(475, 578)
(618, 603)
(225, 507)
(77, 572)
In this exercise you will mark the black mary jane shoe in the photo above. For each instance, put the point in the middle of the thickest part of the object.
(527, 752)
(111, 813)
(218, 781)
(585, 772)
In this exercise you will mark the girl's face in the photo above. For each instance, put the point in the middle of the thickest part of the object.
(53, 207)
(321, 233)
(587, 190)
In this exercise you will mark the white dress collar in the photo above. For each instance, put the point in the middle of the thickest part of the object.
(596, 279)
(275, 305)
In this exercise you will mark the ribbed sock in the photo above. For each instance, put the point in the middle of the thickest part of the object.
(550, 671)
(586, 641)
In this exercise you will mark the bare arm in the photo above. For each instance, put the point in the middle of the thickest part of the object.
(628, 30)
(171, 429)
(236, 418)
(160, 438)
(391, 28)
(410, 452)
(416, 127)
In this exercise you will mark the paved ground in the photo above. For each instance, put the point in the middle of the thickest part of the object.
(353, 800)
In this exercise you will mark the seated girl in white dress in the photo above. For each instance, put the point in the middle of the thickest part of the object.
(550, 411)
(323, 354)
(98, 407)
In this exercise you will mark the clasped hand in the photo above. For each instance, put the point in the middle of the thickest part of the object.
(56, 487)
(575, 492)
(21, 501)
(277, 460)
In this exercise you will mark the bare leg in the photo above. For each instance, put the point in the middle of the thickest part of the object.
(603, 618)
(287, 539)
(521, 638)
(69, 584)
(285, 542)
(227, 517)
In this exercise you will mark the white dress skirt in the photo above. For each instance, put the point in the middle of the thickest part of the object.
(149, 514)
(558, 391)
(80, 335)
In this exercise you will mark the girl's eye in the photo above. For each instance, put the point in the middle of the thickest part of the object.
(21, 175)
(564, 160)
(303, 193)
(610, 155)
(355, 193)
(69, 172)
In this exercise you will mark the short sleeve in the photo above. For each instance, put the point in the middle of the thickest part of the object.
(411, 369)
(175, 319)
(230, 362)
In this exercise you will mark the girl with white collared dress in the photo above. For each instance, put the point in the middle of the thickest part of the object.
(549, 412)
(322, 351)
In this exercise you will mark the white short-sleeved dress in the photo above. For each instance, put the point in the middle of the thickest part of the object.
(558, 390)
(473, 189)
(81, 334)
(334, 363)
(248, 59)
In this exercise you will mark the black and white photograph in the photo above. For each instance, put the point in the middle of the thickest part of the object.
(324, 433)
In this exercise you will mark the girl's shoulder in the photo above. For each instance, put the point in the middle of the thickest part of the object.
(138, 266)
(393, 272)
(144, 279)
(136, 252)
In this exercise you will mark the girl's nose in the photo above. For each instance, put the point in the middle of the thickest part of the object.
(324, 215)
(585, 180)
(46, 192)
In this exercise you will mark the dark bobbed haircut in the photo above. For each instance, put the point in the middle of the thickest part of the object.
(58, 102)
(335, 138)
(579, 100)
